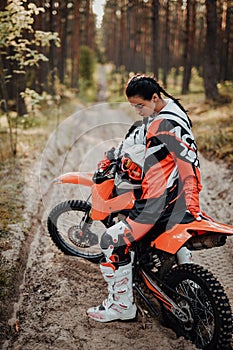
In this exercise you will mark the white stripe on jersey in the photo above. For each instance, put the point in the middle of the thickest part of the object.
(173, 176)
(154, 149)
(178, 120)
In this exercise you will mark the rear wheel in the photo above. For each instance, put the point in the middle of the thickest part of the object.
(208, 320)
(74, 232)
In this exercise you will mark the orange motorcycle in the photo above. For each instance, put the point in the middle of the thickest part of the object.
(190, 299)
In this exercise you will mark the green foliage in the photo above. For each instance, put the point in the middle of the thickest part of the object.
(87, 84)
(16, 32)
(116, 80)
(11, 202)
(87, 66)
(32, 100)
(20, 44)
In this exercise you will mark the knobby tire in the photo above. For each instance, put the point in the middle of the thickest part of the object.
(209, 292)
(62, 243)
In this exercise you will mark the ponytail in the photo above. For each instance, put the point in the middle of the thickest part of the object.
(145, 86)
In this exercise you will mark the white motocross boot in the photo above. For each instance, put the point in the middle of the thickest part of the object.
(119, 304)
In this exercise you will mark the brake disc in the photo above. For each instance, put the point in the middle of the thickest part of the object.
(83, 239)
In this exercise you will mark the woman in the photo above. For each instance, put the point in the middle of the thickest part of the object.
(170, 192)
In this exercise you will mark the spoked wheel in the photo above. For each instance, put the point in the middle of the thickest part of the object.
(74, 232)
(207, 319)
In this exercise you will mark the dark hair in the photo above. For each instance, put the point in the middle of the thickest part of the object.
(145, 86)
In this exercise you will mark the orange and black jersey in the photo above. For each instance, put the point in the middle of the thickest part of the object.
(170, 158)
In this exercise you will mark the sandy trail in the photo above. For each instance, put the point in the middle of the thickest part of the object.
(57, 289)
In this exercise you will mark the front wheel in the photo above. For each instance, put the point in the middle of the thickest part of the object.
(208, 321)
(74, 232)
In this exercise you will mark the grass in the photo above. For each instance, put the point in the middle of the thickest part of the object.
(213, 126)
(11, 202)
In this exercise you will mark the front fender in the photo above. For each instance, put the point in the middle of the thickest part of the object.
(78, 178)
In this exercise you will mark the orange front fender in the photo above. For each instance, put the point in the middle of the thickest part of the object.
(79, 178)
(172, 240)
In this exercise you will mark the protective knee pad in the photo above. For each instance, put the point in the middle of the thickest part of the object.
(114, 247)
(106, 241)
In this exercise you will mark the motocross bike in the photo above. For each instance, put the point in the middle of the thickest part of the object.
(190, 299)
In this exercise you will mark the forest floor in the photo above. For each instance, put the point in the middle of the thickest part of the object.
(52, 291)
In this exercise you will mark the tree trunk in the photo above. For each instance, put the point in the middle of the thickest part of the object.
(41, 73)
(227, 41)
(155, 38)
(62, 51)
(165, 61)
(4, 106)
(20, 87)
(52, 53)
(128, 36)
(189, 44)
(75, 50)
(122, 48)
(177, 41)
(210, 56)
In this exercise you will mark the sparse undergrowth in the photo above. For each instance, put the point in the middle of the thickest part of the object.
(217, 142)
(213, 129)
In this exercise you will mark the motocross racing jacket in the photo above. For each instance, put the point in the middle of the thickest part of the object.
(171, 180)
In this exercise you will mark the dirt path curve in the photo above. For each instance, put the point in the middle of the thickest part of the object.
(57, 289)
